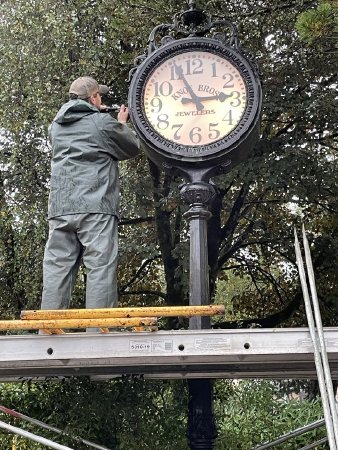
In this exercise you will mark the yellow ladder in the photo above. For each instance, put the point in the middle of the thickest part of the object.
(55, 321)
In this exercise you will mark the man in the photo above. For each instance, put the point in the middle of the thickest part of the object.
(84, 197)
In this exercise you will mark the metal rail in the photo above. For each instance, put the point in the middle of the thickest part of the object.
(33, 437)
(317, 336)
(291, 434)
(21, 416)
(314, 444)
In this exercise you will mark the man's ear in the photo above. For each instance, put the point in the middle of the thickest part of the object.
(92, 100)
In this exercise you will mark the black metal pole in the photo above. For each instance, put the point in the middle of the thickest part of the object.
(202, 430)
(198, 195)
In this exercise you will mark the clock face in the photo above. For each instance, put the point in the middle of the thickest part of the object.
(194, 98)
(195, 103)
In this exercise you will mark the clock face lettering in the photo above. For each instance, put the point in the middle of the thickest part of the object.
(194, 98)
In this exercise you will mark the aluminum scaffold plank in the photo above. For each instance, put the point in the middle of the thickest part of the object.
(254, 353)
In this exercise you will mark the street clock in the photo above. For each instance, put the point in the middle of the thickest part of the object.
(195, 103)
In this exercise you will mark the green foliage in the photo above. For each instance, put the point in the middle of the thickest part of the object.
(255, 412)
(319, 24)
(126, 413)
(290, 178)
(136, 414)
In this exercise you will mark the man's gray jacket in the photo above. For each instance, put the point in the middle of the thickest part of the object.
(87, 146)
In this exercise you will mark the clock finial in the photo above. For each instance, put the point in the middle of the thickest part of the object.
(193, 16)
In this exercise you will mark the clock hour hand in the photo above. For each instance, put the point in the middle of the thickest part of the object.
(221, 97)
(194, 98)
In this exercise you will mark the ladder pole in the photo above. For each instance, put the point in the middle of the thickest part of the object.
(317, 356)
(33, 437)
(76, 323)
(318, 319)
(140, 312)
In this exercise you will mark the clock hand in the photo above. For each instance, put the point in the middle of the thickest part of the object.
(221, 97)
(194, 98)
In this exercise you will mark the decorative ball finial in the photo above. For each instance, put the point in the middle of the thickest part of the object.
(193, 16)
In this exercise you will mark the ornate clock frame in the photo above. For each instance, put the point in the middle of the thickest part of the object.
(197, 162)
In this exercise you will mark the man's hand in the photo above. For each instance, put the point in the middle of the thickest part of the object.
(123, 114)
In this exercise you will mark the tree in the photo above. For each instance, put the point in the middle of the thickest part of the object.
(288, 179)
(135, 414)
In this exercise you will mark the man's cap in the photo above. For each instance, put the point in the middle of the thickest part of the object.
(84, 87)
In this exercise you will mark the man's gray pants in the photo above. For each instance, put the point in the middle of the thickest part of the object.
(91, 237)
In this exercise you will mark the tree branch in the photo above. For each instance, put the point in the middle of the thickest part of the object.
(146, 292)
(165, 237)
(138, 272)
(266, 322)
(136, 220)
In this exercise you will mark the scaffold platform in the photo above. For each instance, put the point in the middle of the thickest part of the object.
(251, 353)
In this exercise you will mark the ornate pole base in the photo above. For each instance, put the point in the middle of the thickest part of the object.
(202, 432)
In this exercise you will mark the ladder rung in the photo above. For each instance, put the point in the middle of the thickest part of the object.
(53, 331)
(104, 330)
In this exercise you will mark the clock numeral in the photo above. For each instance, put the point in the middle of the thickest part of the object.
(229, 78)
(164, 88)
(177, 136)
(173, 74)
(190, 67)
(156, 103)
(236, 99)
(214, 134)
(214, 67)
(194, 66)
(195, 135)
(162, 123)
(228, 117)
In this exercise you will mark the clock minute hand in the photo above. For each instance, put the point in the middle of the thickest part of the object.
(194, 98)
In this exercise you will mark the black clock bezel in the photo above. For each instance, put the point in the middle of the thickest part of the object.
(159, 146)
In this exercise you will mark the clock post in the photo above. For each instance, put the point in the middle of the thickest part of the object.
(202, 431)
(195, 103)
(198, 195)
